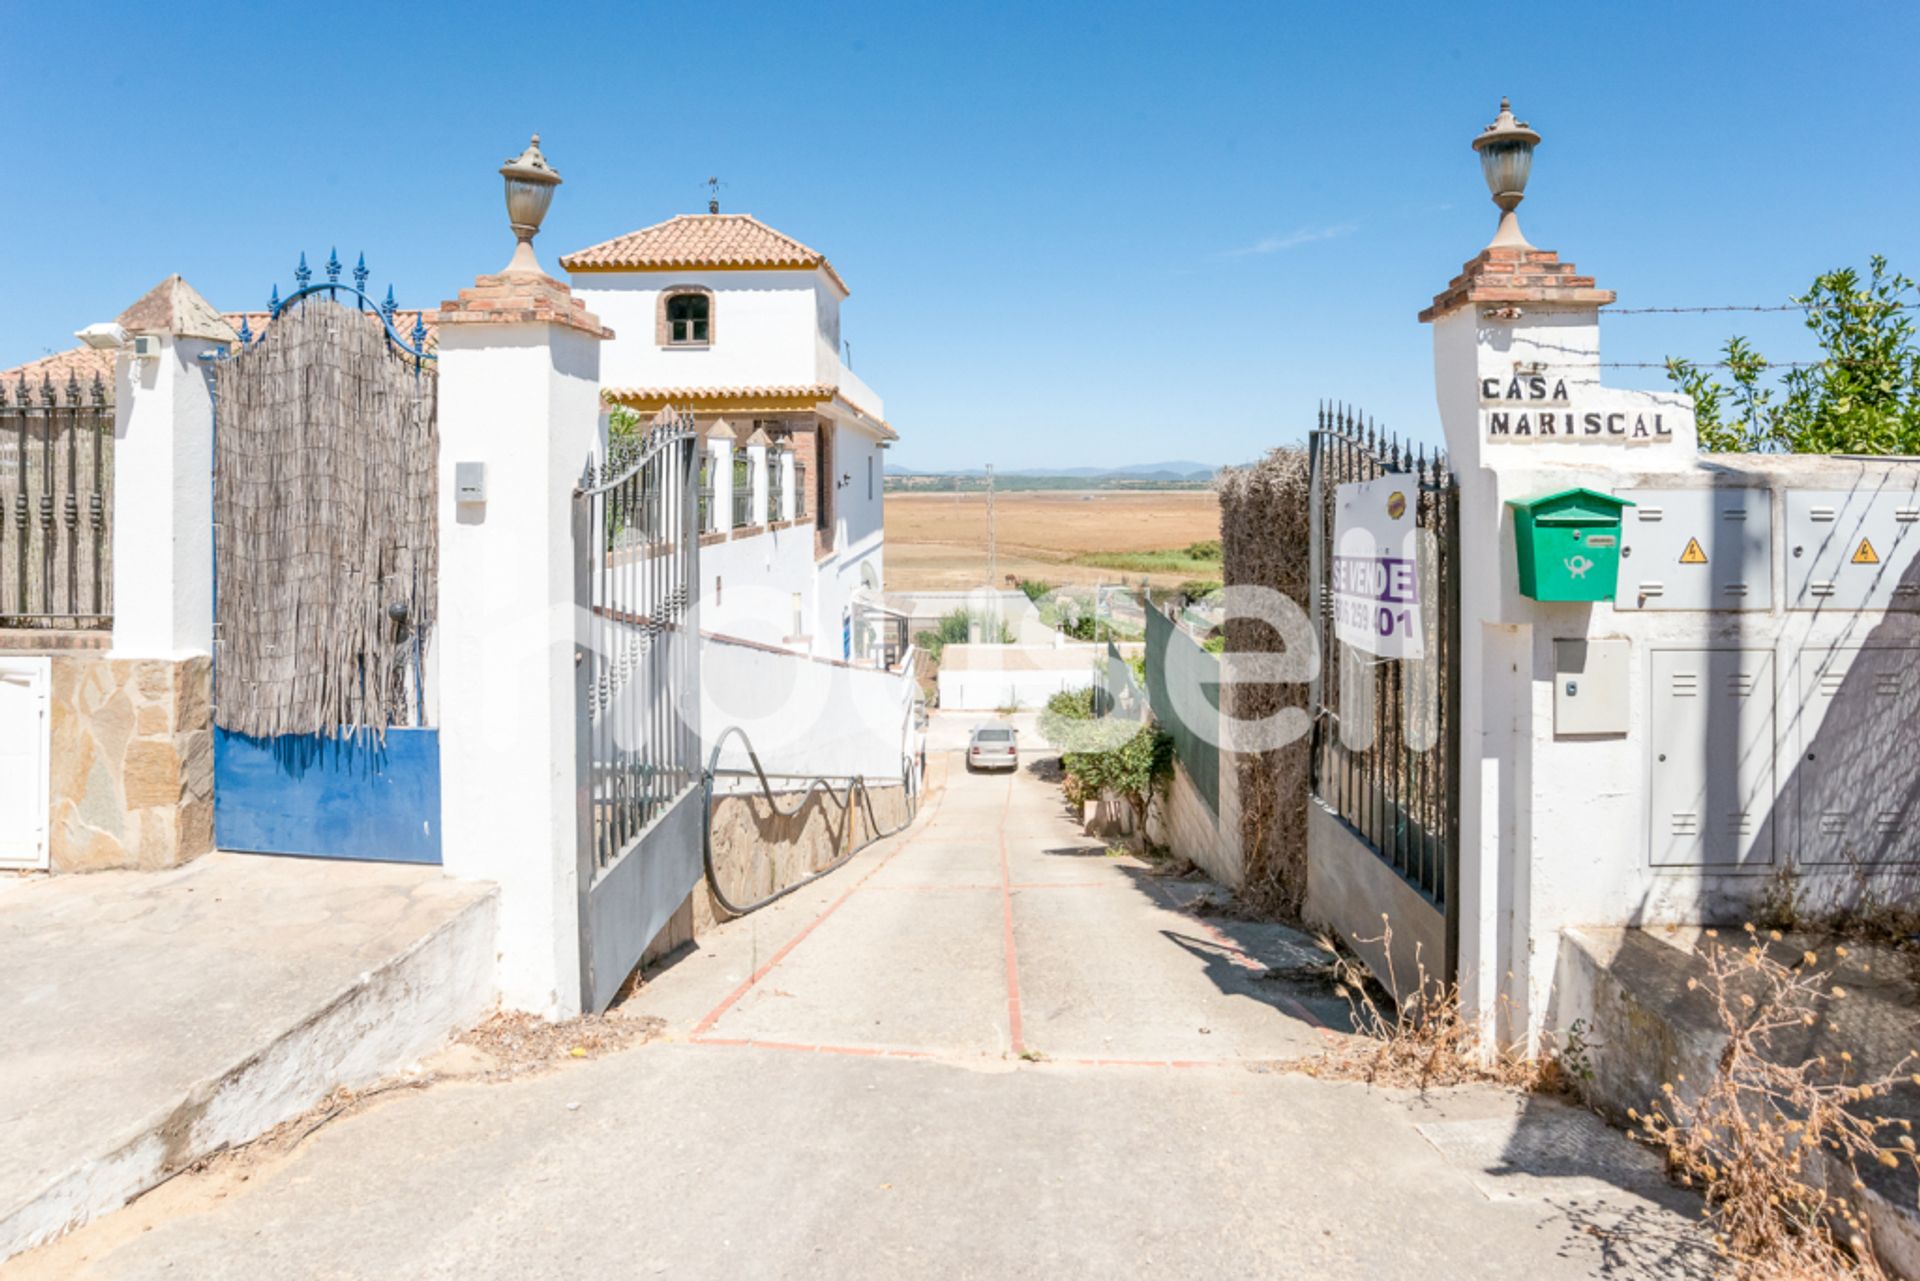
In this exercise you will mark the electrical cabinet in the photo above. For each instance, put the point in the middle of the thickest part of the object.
(1857, 775)
(1711, 757)
(1853, 549)
(1590, 686)
(1696, 549)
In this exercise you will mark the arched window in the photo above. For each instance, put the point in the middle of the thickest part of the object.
(689, 318)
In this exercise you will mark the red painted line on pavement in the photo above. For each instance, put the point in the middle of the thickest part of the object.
(1006, 919)
(713, 1017)
(798, 1047)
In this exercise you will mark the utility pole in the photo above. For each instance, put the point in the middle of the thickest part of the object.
(993, 579)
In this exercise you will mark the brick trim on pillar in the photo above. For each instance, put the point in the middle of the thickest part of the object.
(520, 298)
(1513, 276)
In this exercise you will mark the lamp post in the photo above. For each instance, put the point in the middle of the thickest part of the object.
(1506, 158)
(530, 184)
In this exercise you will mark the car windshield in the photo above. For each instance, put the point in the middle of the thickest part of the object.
(993, 736)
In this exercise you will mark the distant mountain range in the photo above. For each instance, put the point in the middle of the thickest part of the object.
(1184, 469)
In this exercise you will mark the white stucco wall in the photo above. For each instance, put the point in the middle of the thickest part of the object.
(805, 715)
(523, 399)
(1556, 830)
(163, 503)
(767, 328)
(748, 585)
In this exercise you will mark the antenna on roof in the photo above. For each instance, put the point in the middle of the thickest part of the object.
(713, 186)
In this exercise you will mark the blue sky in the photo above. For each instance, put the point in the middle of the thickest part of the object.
(1104, 233)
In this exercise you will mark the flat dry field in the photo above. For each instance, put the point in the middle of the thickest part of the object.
(939, 541)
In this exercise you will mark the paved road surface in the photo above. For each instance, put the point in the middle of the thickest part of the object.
(985, 1049)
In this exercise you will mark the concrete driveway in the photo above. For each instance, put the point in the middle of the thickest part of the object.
(983, 1049)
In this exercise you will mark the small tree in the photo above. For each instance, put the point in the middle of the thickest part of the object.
(1861, 397)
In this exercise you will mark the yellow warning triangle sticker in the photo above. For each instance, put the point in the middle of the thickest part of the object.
(1865, 555)
(1693, 555)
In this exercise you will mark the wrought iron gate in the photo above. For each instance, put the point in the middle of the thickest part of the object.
(56, 504)
(636, 534)
(1386, 732)
(326, 459)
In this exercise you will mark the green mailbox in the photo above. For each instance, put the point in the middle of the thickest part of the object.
(1568, 544)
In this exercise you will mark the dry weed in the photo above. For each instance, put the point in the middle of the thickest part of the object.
(1776, 1146)
(1422, 1041)
(520, 1043)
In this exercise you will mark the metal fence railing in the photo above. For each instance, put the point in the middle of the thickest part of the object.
(56, 504)
(742, 493)
(775, 503)
(637, 575)
(1183, 688)
(799, 490)
(1386, 731)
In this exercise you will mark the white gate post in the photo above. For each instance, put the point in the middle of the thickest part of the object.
(519, 362)
(1516, 362)
(163, 459)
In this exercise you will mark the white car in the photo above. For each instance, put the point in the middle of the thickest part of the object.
(994, 747)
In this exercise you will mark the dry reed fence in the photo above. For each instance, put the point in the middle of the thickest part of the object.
(325, 488)
(1264, 537)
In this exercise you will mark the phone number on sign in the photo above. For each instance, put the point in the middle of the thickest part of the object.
(1357, 613)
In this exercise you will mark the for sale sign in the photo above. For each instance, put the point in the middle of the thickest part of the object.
(1376, 572)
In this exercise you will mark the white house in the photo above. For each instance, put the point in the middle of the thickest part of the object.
(724, 317)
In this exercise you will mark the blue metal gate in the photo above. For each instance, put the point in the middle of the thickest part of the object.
(365, 784)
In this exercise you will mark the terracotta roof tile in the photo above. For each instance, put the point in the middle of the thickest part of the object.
(82, 365)
(727, 242)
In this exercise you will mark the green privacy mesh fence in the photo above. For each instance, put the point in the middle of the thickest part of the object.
(1183, 688)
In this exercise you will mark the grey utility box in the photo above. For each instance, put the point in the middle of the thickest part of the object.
(1696, 549)
(1853, 549)
(1710, 790)
(1590, 686)
(1856, 772)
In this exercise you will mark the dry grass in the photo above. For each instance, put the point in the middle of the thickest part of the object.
(521, 1043)
(939, 541)
(1423, 1041)
(1776, 1145)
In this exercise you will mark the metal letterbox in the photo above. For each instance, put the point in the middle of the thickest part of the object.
(1696, 549)
(1853, 549)
(1568, 544)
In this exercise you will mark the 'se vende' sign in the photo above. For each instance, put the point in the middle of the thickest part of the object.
(1533, 407)
(1376, 574)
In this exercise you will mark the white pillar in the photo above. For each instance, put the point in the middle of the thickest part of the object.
(757, 472)
(519, 394)
(720, 467)
(788, 498)
(163, 461)
(1513, 316)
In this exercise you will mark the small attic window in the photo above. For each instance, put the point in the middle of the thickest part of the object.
(689, 319)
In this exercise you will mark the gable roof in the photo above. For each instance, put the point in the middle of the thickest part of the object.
(715, 242)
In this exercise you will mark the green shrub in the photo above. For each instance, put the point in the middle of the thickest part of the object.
(1034, 588)
(957, 628)
(1208, 549)
(1134, 769)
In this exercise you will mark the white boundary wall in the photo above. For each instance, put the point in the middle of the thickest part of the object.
(1557, 831)
(806, 715)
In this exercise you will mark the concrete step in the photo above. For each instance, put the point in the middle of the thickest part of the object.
(155, 1018)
